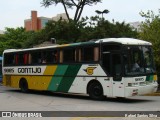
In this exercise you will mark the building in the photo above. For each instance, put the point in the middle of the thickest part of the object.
(35, 23)
(62, 16)
(38, 23)
(135, 25)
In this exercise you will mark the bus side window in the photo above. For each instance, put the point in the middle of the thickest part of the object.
(21, 59)
(52, 57)
(43, 57)
(16, 59)
(88, 54)
(49, 57)
(36, 57)
(55, 56)
(69, 55)
(9, 59)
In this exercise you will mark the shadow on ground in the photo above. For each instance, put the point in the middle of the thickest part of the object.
(80, 96)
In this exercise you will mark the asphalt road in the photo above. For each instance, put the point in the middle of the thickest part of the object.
(13, 100)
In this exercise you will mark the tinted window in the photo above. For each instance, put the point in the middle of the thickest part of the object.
(69, 55)
(111, 47)
(49, 56)
(88, 54)
(36, 57)
(9, 59)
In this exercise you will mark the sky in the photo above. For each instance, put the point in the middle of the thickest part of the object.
(14, 12)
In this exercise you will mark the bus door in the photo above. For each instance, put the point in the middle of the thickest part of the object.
(117, 84)
(107, 67)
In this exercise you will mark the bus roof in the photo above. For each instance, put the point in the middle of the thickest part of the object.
(125, 41)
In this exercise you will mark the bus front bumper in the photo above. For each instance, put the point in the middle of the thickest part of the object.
(141, 90)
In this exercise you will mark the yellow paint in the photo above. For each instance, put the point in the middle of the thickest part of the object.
(77, 118)
(11, 81)
(50, 70)
(64, 45)
(39, 82)
(42, 82)
(155, 78)
(15, 81)
(4, 80)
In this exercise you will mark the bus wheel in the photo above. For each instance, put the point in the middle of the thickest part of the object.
(23, 85)
(95, 91)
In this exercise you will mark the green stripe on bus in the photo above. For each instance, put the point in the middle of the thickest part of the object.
(149, 78)
(68, 78)
(57, 77)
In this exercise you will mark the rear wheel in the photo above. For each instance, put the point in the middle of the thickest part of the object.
(23, 85)
(95, 91)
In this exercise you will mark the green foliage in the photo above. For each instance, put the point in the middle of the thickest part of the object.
(100, 28)
(13, 38)
(15, 34)
(34, 38)
(65, 32)
(86, 29)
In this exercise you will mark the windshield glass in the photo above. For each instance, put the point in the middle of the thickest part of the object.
(138, 60)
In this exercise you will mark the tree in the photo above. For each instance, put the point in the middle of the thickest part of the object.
(70, 30)
(14, 38)
(78, 4)
(17, 34)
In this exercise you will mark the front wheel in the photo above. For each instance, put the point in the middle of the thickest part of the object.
(95, 91)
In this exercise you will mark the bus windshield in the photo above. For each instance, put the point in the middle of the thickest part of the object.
(138, 60)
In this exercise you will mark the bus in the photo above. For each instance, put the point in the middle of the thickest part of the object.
(0, 69)
(110, 67)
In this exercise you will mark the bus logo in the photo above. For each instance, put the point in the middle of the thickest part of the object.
(89, 70)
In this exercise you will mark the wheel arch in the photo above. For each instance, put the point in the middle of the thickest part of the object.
(93, 81)
(22, 80)
(23, 85)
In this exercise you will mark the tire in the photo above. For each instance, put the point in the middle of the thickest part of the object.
(95, 91)
(23, 85)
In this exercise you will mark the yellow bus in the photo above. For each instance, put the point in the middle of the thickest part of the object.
(112, 67)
